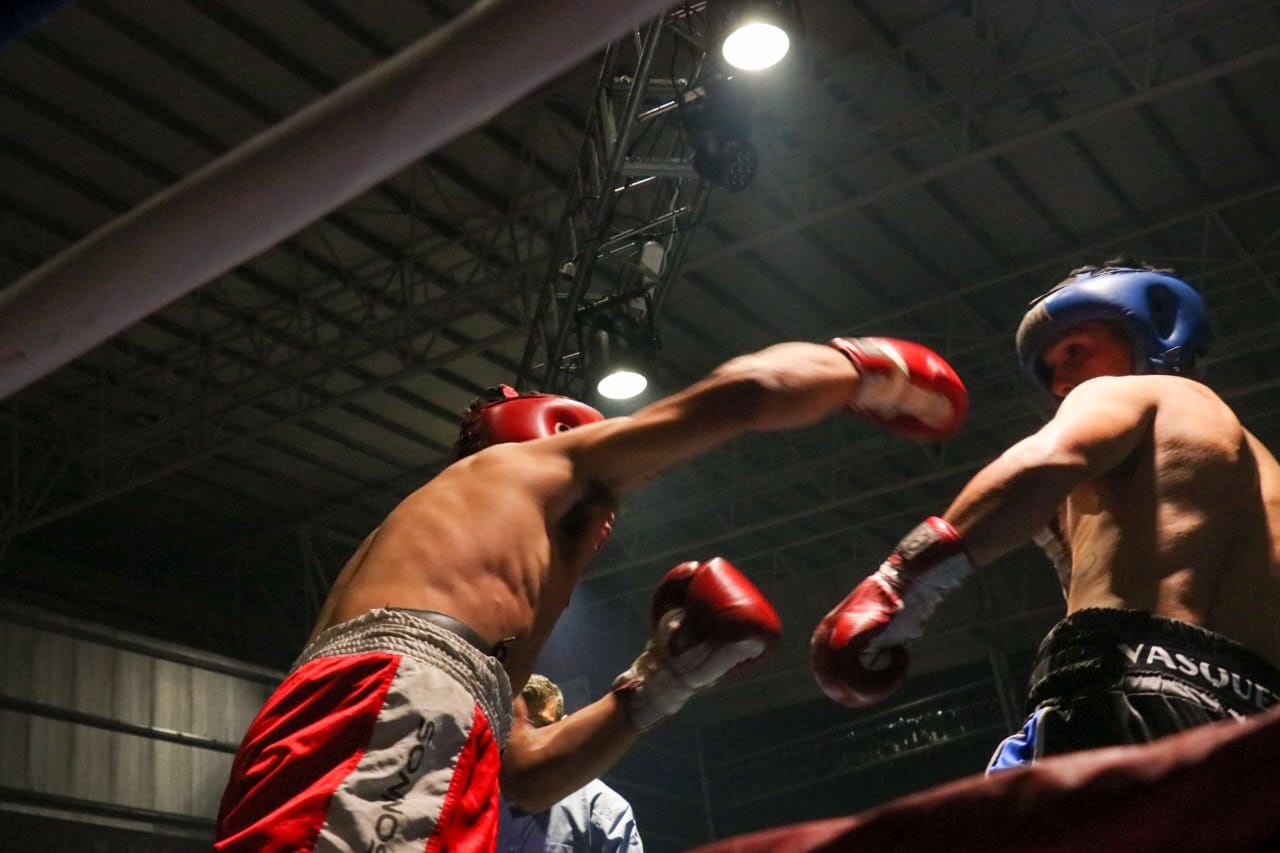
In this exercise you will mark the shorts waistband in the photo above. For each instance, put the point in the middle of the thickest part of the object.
(411, 634)
(462, 629)
(1101, 646)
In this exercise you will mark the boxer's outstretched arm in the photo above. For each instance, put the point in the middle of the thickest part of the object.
(901, 385)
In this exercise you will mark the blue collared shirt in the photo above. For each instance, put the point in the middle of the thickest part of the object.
(593, 819)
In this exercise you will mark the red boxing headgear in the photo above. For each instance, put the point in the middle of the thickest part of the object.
(519, 417)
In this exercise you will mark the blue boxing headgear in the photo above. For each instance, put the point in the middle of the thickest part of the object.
(1163, 316)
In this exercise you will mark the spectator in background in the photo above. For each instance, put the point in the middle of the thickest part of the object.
(593, 819)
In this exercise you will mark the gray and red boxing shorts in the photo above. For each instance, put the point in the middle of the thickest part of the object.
(1107, 677)
(385, 737)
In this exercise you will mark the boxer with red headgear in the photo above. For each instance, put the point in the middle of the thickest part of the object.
(387, 733)
(504, 414)
(1165, 532)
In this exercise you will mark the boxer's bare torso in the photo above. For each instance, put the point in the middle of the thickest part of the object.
(498, 541)
(1187, 525)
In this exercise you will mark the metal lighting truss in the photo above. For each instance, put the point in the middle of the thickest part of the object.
(635, 202)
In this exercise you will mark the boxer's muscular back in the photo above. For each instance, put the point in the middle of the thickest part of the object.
(1188, 526)
(497, 540)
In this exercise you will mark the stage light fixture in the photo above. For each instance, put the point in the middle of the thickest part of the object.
(617, 365)
(755, 34)
(622, 385)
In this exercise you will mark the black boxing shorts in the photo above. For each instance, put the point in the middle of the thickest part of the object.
(385, 736)
(1112, 677)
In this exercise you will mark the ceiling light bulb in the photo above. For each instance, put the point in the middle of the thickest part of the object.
(621, 385)
(755, 46)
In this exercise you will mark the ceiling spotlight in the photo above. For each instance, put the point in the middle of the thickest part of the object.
(621, 384)
(617, 360)
(755, 46)
(755, 35)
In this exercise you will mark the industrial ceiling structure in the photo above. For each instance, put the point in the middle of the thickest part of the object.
(922, 169)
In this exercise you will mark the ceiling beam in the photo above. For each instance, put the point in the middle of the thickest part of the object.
(446, 84)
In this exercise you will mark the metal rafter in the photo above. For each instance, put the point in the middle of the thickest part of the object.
(629, 192)
(983, 154)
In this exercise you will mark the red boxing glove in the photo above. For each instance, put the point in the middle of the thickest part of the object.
(905, 386)
(708, 620)
(859, 649)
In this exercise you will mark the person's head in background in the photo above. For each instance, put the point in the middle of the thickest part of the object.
(544, 700)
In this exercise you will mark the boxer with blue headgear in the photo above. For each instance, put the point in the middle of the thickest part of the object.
(1163, 316)
(1164, 509)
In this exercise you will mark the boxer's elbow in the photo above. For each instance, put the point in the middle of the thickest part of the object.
(524, 774)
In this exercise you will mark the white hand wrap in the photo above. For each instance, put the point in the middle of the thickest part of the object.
(658, 684)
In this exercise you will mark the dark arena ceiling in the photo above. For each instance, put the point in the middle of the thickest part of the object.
(925, 167)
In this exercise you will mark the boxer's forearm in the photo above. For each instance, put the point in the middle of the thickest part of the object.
(543, 765)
